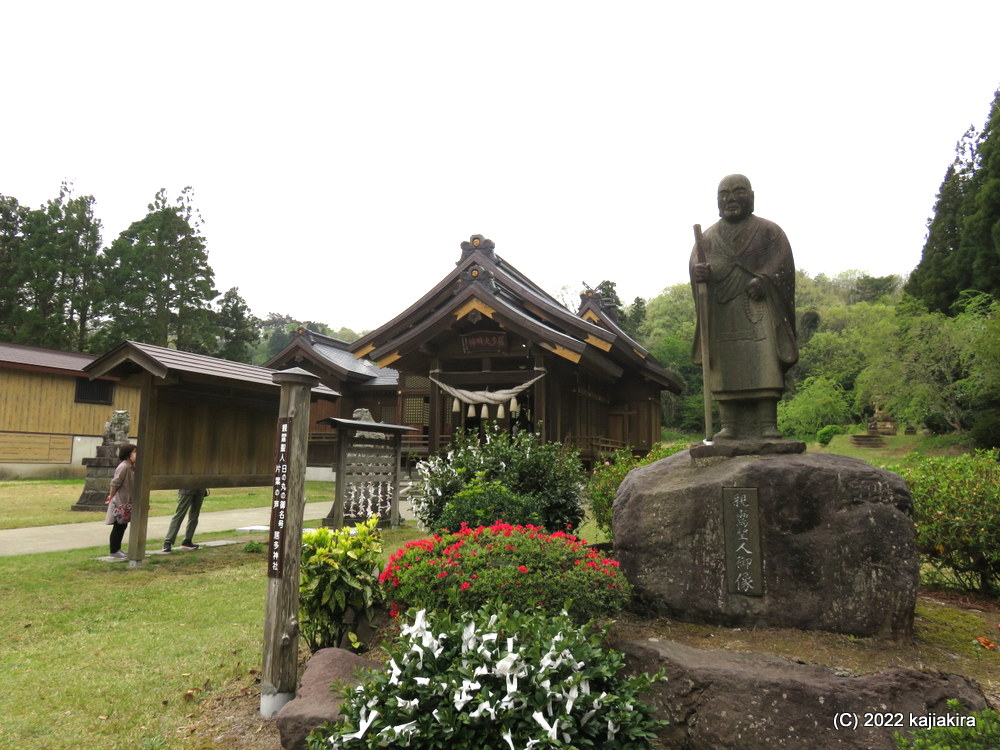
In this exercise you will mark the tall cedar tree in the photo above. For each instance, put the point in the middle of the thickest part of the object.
(12, 216)
(238, 329)
(962, 251)
(159, 282)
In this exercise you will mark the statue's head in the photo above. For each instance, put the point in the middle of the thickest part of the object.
(735, 198)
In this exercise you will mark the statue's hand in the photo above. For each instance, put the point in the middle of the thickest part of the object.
(755, 289)
(702, 272)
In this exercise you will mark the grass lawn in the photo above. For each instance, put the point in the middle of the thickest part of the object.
(42, 502)
(896, 447)
(97, 655)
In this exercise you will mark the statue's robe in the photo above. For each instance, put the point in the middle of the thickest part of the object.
(751, 342)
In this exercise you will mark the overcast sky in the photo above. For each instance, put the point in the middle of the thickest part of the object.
(340, 151)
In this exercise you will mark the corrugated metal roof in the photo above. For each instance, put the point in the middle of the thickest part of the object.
(33, 356)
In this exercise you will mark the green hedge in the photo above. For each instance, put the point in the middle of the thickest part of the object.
(602, 486)
(957, 501)
(549, 473)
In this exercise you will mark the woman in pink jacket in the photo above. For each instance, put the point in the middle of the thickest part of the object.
(120, 499)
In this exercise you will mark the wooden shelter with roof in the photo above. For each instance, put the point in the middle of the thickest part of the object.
(486, 343)
(203, 422)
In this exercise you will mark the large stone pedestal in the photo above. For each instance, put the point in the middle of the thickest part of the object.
(808, 541)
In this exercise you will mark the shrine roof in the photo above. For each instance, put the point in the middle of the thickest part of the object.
(328, 356)
(519, 304)
(131, 357)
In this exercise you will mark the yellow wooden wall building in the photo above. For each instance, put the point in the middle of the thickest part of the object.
(49, 419)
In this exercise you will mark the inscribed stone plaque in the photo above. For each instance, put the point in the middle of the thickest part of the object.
(744, 574)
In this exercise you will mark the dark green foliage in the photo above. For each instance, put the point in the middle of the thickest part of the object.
(985, 735)
(339, 584)
(238, 329)
(548, 473)
(53, 271)
(526, 566)
(152, 285)
(603, 483)
(963, 240)
(957, 503)
(495, 678)
(986, 429)
(159, 282)
(481, 503)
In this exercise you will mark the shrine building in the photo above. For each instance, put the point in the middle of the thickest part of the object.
(487, 344)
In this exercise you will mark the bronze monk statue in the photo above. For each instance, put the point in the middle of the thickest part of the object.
(750, 275)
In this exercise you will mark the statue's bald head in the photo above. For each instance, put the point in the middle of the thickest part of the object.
(735, 198)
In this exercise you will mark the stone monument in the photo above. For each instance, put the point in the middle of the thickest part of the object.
(746, 529)
(101, 469)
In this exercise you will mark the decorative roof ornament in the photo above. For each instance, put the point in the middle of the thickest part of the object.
(480, 243)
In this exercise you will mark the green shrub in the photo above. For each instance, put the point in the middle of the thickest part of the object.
(525, 565)
(985, 735)
(547, 472)
(817, 401)
(828, 433)
(986, 429)
(497, 679)
(339, 585)
(481, 503)
(602, 486)
(253, 547)
(957, 501)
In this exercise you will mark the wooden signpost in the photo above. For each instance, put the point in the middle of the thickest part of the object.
(279, 675)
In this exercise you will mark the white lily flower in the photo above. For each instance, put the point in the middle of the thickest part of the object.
(571, 696)
(550, 729)
(395, 672)
(482, 708)
(469, 637)
(506, 665)
(511, 683)
(407, 728)
(366, 721)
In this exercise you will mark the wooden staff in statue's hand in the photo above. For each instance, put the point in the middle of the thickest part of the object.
(702, 273)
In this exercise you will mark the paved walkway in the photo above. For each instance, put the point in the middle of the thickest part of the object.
(95, 533)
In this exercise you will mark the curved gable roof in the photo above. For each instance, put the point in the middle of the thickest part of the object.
(508, 296)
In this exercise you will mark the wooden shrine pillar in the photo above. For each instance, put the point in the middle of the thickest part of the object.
(435, 415)
(539, 416)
